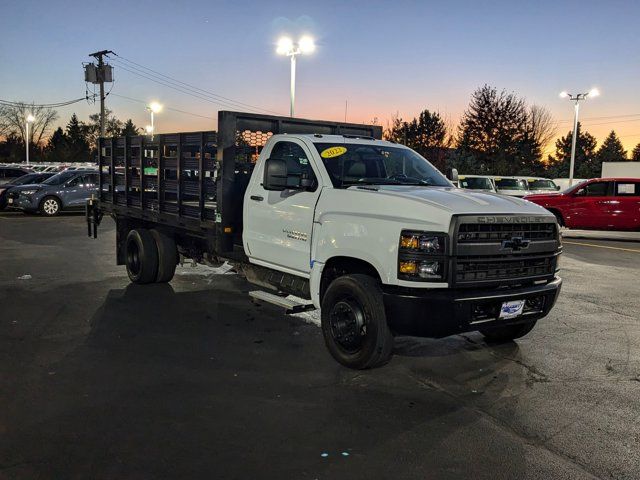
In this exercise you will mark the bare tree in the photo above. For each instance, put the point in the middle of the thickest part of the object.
(13, 119)
(541, 125)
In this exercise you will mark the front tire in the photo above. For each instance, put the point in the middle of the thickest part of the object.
(50, 206)
(354, 323)
(508, 333)
(141, 256)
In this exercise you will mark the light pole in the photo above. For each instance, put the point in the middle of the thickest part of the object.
(576, 99)
(153, 107)
(30, 119)
(286, 47)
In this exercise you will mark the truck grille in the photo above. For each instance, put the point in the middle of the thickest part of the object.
(480, 233)
(483, 250)
(473, 269)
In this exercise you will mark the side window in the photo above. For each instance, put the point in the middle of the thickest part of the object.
(90, 180)
(13, 173)
(627, 189)
(296, 159)
(75, 182)
(597, 189)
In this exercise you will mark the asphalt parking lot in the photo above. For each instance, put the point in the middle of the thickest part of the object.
(103, 379)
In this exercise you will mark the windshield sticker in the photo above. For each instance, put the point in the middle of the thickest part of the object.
(333, 152)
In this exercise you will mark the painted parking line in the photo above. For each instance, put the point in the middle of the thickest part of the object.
(635, 250)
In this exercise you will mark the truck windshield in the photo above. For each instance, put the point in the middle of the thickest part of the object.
(476, 183)
(510, 184)
(358, 164)
(542, 185)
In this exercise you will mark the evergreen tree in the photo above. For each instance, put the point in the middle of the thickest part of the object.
(495, 135)
(77, 147)
(427, 134)
(57, 149)
(611, 150)
(129, 129)
(635, 154)
(586, 165)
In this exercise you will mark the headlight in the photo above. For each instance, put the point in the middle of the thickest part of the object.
(423, 242)
(422, 256)
(28, 192)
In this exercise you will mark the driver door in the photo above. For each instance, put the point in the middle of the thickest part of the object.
(591, 206)
(278, 224)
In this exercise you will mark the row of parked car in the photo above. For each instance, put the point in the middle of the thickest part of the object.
(512, 186)
(47, 193)
(595, 204)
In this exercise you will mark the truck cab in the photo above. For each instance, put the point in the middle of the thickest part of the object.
(353, 215)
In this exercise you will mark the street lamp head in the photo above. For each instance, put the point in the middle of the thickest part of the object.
(594, 92)
(149, 129)
(285, 46)
(306, 45)
(31, 118)
(564, 94)
(155, 107)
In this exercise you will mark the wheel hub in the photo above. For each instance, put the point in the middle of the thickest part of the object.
(348, 327)
(50, 206)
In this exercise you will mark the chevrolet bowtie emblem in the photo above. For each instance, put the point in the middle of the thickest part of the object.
(515, 244)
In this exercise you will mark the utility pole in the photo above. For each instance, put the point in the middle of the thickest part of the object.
(577, 98)
(101, 79)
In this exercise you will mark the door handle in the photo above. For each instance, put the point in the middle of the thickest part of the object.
(257, 198)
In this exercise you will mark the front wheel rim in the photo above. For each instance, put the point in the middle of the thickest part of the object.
(348, 325)
(50, 207)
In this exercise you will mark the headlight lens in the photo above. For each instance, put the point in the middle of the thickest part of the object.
(422, 256)
(29, 192)
(423, 242)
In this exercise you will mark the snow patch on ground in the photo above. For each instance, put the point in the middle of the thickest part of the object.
(312, 317)
(204, 270)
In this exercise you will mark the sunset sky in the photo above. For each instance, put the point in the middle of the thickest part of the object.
(380, 57)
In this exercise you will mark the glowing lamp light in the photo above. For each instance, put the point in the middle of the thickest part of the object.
(155, 107)
(149, 129)
(594, 92)
(564, 94)
(306, 45)
(31, 118)
(285, 46)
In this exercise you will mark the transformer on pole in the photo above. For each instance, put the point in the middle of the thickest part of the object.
(99, 74)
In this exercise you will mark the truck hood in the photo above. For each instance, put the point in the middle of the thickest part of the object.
(458, 201)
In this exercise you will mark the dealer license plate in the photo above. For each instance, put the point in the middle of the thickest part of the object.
(512, 309)
(10, 200)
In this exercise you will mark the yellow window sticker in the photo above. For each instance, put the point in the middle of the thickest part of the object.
(333, 152)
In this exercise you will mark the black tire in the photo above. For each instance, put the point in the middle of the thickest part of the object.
(508, 333)
(167, 256)
(354, 323)
(50, 206)
(141, 256)
(559, 218)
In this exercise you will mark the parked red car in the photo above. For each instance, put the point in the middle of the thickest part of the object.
(598, 204)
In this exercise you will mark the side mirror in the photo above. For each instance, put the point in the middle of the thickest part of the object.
(275, 174)
(452, 175)
(558, 187)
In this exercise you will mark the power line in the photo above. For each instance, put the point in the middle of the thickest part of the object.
(193, 87)
(604, 118)
(9, 103)
(179, 89)
(168, 108)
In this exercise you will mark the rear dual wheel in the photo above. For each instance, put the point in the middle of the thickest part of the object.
(151, 256)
